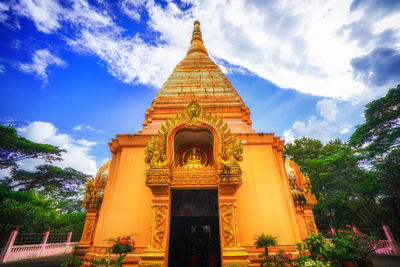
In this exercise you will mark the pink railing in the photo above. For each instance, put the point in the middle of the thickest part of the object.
(32, 245)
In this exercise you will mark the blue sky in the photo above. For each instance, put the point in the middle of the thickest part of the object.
(75, 73)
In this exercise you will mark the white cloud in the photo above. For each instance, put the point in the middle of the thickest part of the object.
(324, 129)
(86, 143)
(132, 8)
(327, 109)
(2, 68)
(288, 136)
(321, 130)
(3, 9)
(345, 128)
(78, 152)
(44, 13)
(41, 60)
(82, 127)
(294, 44)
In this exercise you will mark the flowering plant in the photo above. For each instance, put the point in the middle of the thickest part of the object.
(265, 241)
(346, 247)
(279, 260)
(121, 245)
(367, 245)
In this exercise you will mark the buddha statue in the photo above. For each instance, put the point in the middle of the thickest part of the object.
(193, 159)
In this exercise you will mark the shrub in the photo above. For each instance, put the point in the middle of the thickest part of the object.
(319, 248)
(72, 261)
(345, 242)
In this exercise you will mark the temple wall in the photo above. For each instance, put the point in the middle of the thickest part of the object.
(263, 205)
(126, 207)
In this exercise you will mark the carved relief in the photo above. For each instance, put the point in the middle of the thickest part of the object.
(158, 176)
(230, 173)
(159, 225)
(233, 153)
(231, 147)
(155, 153)
(87, 231)
(228, 230)
(300, 184)
(194, 110)
(310, 223)
(92, 198)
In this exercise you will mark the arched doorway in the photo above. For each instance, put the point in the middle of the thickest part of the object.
(194, 229)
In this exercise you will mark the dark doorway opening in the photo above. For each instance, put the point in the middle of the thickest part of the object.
(194, 232)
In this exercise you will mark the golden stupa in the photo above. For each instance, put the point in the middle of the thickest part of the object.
(197, 183)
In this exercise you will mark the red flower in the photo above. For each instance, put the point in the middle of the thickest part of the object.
(319, 257)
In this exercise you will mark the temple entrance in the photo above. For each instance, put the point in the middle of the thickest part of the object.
(194, 235)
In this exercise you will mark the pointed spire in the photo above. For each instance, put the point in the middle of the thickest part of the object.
(196, 44)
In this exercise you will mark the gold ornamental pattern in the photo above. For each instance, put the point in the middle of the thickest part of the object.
(159, 225)
(228, 227)
(194, 116)
(310, 224)
(87, 231)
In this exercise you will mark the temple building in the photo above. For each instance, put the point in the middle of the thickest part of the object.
(197, 182)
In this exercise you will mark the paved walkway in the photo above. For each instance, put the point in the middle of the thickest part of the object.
(53, 261)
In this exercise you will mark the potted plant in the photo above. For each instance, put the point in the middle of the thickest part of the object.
(346, 249)
(366, 246)
(265, 241)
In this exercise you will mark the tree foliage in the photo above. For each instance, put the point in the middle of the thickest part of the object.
(380, 132)
(14, 148)
(34, 213)
(341, 186)
(48, 180)
(47, 197)
(388, 186)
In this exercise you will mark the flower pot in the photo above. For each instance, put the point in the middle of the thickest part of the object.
(365, 263)
(347, 264)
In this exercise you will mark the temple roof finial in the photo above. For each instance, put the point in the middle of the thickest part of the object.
(196, 43)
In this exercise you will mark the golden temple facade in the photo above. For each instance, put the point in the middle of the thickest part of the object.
(197, 183)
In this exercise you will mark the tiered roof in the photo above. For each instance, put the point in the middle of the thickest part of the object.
(198, 78)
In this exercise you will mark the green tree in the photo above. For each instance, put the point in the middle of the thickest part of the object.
(338, 182)
(34, 213)
(380, 133)
(388, 184)
(14, 148)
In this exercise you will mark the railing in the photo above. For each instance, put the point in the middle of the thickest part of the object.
(32, 245)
